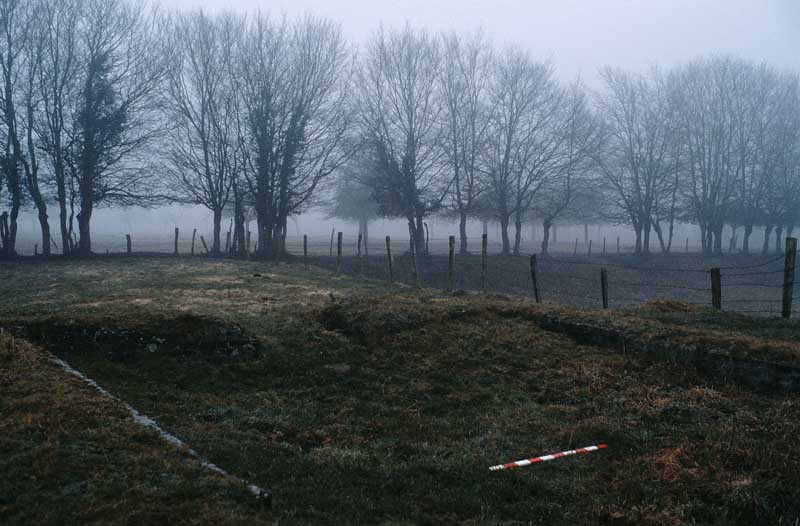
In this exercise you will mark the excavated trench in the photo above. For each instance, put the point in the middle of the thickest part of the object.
(187, 337)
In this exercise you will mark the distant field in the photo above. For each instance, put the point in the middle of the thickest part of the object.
(750, 285)
(361, 403)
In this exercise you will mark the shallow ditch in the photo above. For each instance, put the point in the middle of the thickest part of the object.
(188, 337)
(710, 357)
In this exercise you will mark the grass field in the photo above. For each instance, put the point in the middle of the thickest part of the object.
(357, 402)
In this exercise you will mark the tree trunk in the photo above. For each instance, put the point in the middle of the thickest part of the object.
(504, 223)
(517, 234)
(11, 247)
(84, 230)
(767, 235)
(215, 245)
(748, 230)
(3, 233)
(239, 226)
(660, 235)
(462, 232)
(41, 207)
(363, 229)
(66, 241)
(718, 238)
(45, 226)
(419, 235)
(545, 236)
(646, 227)
(702, 238)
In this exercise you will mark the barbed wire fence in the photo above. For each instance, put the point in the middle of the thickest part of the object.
(609, 277)
(602, 281)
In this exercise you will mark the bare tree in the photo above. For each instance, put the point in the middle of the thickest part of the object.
(58, 88)
(203, 148)
(16, 26)
(31, 103)
(401, 111)
(122, 63)
(783, 201)
(524, 136)
(706, 91)
(637, 162)
(464, 83)
(293, 81)
(571, 180)
(353, 200)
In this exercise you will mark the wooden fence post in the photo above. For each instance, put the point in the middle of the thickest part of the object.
(305, 250)
(36, 249)
(687, 245)
(451, 271)
(177, 233)
(194, 234)
(535, 279)
(788, 276)
(414, 261)
(604, 286)
(128, 243)
(333, 231)
(203, 241)
(339, 253)
(590, 248)
(228, 241)
(716, 288)
(484, 249)
(389, 258)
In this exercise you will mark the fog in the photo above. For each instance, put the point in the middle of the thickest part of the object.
(578, 36)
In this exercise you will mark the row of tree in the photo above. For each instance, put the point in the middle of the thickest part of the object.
(113, 103)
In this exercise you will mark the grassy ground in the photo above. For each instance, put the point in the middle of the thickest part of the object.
(361, 404)
(71, 456)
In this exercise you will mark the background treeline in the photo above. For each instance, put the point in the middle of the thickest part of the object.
(113, 103)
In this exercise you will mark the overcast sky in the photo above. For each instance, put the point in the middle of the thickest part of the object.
(580, 35)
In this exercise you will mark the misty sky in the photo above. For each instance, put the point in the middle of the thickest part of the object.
(580, 35)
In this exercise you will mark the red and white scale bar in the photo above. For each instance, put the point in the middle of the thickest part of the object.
(545, 458)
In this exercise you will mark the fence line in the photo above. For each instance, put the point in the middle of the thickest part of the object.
(561, 277)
